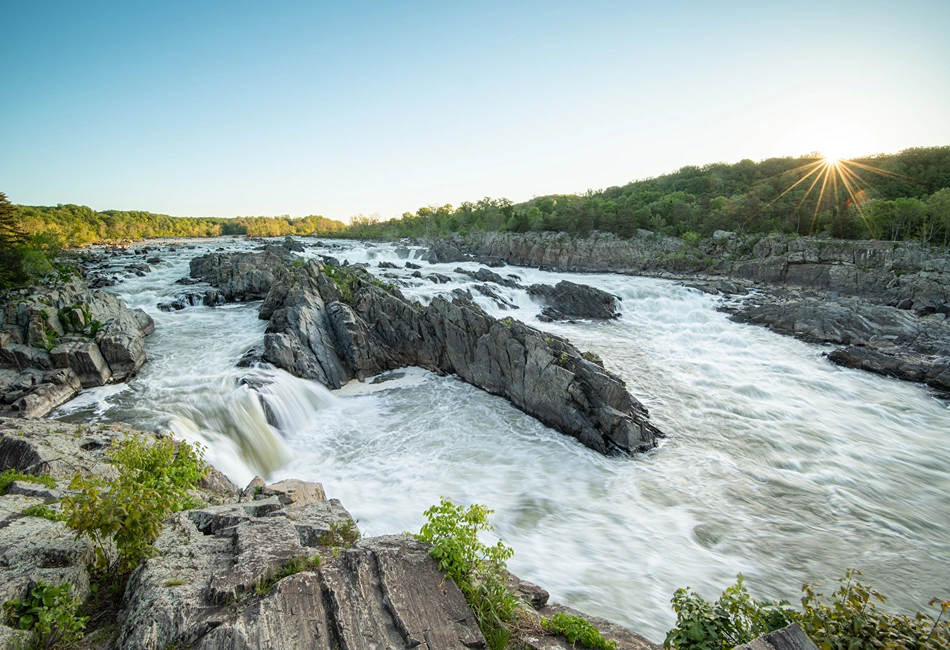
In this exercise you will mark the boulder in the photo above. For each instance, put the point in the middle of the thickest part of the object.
(84, 359)
(572, 300)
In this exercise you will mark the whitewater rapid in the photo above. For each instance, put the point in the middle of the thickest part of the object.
(778, 464)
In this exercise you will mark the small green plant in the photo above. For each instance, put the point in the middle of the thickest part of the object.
(51, 612)
(575, 629)
(45, 512)
(296, 565)
(478, 569)
(342, 535)
(175, 582)
(153, 482)
(850, 621)
(593, 357)
(734, 619)
(7, 478)
(346, 281)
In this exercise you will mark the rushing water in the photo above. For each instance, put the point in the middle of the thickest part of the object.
(777, 465)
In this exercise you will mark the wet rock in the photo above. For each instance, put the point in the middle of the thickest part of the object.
(571, 300)
(410, 265)
(188, 281)
(154, 260)
(438, 278)
(484, 275)
(387, 265)
(242, 276)
(906, 303)
(253, 356)
(442, 252)
(499, 299)
(84, 359)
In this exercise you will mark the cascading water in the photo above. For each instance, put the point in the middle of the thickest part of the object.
(778, 464)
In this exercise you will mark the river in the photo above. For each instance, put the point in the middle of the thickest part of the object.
(777, 464)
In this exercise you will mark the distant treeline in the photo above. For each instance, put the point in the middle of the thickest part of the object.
(895, 196)
(74, 225)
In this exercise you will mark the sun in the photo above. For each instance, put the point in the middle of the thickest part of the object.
(831, 159)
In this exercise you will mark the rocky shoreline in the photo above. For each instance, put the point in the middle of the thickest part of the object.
(886, 303)
(215, 582)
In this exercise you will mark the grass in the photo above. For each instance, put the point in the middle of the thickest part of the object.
(296, 565)
(9, 476)
(45, 512)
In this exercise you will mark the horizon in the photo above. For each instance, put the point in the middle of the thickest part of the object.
(809, 155)
(377, 110)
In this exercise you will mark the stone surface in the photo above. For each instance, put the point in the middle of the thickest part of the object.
(293, 492)
(792, 637)
(571, 300)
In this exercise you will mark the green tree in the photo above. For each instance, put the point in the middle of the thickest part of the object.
(12, 240)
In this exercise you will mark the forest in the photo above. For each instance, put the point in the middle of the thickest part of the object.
(888, 196)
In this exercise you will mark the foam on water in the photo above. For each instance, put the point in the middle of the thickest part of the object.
(778, 464)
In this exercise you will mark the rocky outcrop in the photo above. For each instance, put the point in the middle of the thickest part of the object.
(53, 342)
(571, 300)
(333, 326)
(274, 566)
(242, 276)
(880, 339)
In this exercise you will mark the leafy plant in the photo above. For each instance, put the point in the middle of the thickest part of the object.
(734, 619)
(50, 611)
(850, 621)
(477, 568)
(154, 479)
(576, 629)
(7, 478)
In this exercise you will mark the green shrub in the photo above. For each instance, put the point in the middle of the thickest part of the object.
(153, 482)
(691, 239)
(479, 570)
(850, 621)
(734, 619)
(7, 478)
(575, 629)
(50, 612)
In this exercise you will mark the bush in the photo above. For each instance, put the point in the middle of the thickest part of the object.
(479, 570)
(850, 621)
(154, 479)
(50, 612)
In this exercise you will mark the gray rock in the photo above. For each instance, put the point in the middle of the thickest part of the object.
(792, 637)
(293, 492)
(84, 359)
(571, 300)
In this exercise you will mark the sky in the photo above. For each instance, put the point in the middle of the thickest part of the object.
(266, 108)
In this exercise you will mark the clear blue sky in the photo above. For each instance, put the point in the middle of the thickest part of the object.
(238, 108)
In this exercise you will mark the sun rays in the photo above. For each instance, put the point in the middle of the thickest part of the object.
(836, 180)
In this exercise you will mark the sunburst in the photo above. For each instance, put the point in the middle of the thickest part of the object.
(828, 173)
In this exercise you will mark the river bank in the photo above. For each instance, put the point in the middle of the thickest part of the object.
(766, 439)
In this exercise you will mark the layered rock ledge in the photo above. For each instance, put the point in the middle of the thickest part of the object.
(54, 342)
(220, 581)
(334, 324)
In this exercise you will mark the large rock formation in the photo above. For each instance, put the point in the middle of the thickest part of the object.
(571, 300)
(332, 325)
(53, 342)
(278, 566)
(880, 339)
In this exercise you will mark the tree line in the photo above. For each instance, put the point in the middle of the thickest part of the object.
(890, 196)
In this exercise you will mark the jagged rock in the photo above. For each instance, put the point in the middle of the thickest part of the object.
(53, 389)
(387, 265)
(154, 260)
(241, 276)
(909, 367)
(484, 275)
(293, 492)
(188, 281)
(792, 637)
(570, 300)
(313, 334)
(84, 359)
(253, 356)
(444, 253)
(410, 265)
(122, 342)
(499, 299)
(438, 278)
